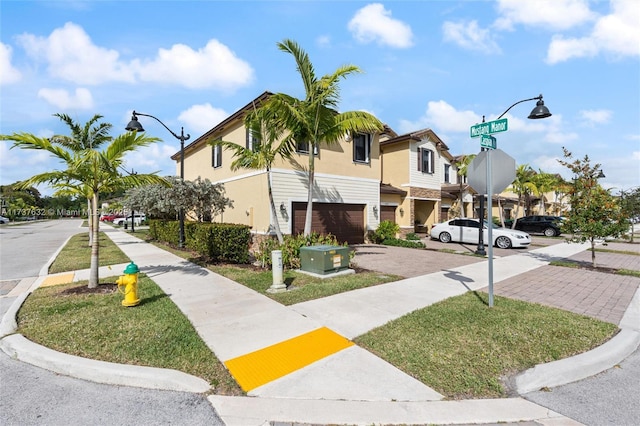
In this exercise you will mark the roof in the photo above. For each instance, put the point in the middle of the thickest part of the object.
(238, 115)
(417, 136)
(386, 188)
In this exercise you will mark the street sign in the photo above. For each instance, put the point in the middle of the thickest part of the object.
(503, 171)
(489, 127)
(488, 141)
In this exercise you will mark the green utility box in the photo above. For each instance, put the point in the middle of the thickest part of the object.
(324, 259)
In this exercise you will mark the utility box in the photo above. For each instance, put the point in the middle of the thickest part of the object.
(324, 259)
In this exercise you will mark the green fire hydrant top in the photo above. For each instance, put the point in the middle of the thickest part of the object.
(132, 268)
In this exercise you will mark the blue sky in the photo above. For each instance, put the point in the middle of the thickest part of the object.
(436, 64)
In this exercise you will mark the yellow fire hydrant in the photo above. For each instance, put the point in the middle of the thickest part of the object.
(130, 283)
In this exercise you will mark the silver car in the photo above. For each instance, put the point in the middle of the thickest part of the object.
(466, 231)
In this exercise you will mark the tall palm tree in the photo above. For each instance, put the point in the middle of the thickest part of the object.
(544, 183)
(462, 165)
(267, 131)
(88, 171)
(522, 186)
(315, 119)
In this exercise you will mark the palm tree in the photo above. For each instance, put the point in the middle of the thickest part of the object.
(462, 164)
(544, 183)
(89, 172)
(315, 119)
(522, 186)
(267, 131)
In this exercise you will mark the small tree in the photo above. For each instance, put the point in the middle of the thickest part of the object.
(522, 186)
(630, 202)
(201, 197)
(595, 213)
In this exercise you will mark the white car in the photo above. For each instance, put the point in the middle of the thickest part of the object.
(137, 219)
(466, 231)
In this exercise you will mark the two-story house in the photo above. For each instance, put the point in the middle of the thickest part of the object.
(346, 195)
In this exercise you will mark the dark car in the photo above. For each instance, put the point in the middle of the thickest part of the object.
(550, 226)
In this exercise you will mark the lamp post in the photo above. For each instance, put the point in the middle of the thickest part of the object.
(540, 111)
(134, 125)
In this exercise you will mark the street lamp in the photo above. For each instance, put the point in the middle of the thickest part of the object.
(540, 111)
(135, 126)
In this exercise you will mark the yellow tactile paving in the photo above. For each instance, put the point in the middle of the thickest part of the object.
(57, 279)
(265, 365)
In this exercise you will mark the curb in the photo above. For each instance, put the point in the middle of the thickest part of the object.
(20, 348)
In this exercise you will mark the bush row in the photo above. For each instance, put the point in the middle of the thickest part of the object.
(215, 241)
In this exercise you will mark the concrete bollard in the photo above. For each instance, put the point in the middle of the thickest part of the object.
(276, 266)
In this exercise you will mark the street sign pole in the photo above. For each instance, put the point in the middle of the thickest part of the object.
(490, 225)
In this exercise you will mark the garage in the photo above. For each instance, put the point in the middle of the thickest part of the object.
(345, 221)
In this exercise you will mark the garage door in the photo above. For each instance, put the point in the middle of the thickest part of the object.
(345, 221)
(388, 213)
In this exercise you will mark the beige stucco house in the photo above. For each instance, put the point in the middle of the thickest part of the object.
(346, 196)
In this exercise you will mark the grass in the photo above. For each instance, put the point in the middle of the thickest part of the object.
(463, 349)
(459, 346)
(77, 254)
(154, 333)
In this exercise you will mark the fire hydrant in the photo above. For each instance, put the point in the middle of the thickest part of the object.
(130, 283)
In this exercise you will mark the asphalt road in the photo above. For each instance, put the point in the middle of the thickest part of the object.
(33, 396)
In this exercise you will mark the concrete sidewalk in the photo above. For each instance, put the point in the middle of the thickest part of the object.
(348, 385)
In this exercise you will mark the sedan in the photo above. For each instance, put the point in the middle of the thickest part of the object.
(547, 225)
(4, 220)
(467, 230)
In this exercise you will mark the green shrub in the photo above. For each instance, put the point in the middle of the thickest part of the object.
(412, 236)
(386, 230)
(403, 243)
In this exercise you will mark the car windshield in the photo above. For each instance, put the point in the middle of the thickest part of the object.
(493, 225)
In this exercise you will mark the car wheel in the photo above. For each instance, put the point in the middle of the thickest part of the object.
(445, 237)
(503, 242)
(549, 232)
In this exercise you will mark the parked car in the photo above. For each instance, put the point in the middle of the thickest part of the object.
(550, 226)
(466, 231)
(110, 217)
(137, 220)
(4, 220)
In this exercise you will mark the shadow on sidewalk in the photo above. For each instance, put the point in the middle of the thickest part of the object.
(456, 276)
(183, 267)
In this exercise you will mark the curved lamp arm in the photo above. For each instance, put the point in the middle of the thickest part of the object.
(539, 98)
(138, 127)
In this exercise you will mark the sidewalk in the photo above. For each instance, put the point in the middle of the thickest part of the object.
(334, 381)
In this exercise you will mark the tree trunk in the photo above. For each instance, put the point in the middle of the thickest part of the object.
(274, 212)
(308, 216)
(462, 215)
(95, 246)
(89, 220)
(593, 252)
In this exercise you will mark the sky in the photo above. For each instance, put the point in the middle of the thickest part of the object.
(442, 65)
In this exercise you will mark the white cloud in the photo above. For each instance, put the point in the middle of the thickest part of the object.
(202, 118)
(442, 117)
(617, 34)
(469, 35)
(215, 65)
(323, 41)
(62, 99)
(152, 158)
(72, 56)
(554, 14)
(374, 23)
(601, 116)
(9, 74)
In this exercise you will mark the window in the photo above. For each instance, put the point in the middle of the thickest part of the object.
(447, 170)
(252, 141)
(303, 148)
(216, 156)
(425, 160)
(361, 148)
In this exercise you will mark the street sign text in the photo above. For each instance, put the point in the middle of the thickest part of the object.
(489, 127)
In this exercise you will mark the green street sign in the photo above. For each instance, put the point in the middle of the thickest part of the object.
(489, 127)
(488, 141)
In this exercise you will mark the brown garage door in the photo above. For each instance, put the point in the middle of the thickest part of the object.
(345, 221)
(388, 213)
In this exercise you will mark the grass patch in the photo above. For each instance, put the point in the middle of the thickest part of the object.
(301, 287)
(76, 254)
(463, 349)
(96, 325)
(629, 272)
(604, 250)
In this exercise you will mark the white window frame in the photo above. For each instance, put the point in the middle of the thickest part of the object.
(216, 156)
(427, 161)
(362, 138)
